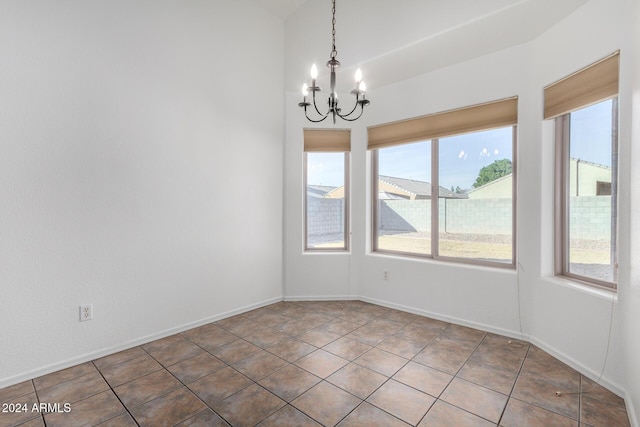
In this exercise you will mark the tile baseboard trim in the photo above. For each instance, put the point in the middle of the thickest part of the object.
(87, 357)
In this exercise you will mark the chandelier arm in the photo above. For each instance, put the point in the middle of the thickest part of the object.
(316, 107)
(346, 117)
(342, 116)
(315, 121)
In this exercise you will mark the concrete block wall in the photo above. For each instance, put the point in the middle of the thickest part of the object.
(405, 215)
(590, 217)
(325, 216)
(476, 216)
(481, 216)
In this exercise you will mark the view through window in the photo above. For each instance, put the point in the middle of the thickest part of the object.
(590, 218)
(325, 200)
(476, 197)
(404, 198)
(474, 175)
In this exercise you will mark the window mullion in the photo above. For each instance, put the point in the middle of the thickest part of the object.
(347, 198)
(375, 220)
(614, 188)
(435, 208)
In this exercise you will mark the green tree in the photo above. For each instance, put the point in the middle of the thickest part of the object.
(491, 172)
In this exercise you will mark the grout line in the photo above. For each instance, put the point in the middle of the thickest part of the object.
(35, 391)
(117, 397)
(513, 387)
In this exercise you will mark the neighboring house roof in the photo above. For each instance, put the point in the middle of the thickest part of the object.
(318, 190)
(420, 189)
(394, 188)
(383, 195)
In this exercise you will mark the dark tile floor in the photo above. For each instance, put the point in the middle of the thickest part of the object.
(343, 363)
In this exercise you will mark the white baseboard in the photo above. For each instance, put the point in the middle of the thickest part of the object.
(54, 367)
(631, 411)
(584, 370)
(450, 319)
(322, 298)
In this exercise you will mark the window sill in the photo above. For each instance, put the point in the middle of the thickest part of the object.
(326, 252)
(582, 287)
(443, 262)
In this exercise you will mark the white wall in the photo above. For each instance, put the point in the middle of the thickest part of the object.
(140, 171)
(570, 321)
(630, 294)
(475, 296)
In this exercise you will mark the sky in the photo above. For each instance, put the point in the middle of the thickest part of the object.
(591, 133)
(461, 157)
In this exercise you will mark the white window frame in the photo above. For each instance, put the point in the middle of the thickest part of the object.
(435, 210)
(346, 246)
(562, 194)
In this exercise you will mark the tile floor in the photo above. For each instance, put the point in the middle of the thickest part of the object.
(343, 363)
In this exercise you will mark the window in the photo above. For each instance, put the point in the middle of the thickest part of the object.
(476, 195)
(603, 188)
(588, 216)
(326, 183)
(404, 198)
(444, 185)
(586, 173)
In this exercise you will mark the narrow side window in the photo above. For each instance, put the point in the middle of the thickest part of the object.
(586, 229)
(326, 185)
(584, 106)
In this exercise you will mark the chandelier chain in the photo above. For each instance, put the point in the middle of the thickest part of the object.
(334, 53)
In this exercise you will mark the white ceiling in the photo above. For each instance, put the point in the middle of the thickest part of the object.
(281, 8)
(393, 42)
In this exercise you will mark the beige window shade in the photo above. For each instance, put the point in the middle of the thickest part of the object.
(469, 119)
(592, 84)
(327, 140)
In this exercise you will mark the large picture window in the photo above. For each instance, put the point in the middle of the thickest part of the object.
(326, 184)
(586, 173)
(444, 185)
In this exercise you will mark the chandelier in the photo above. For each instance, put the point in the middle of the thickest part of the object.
(333, 64)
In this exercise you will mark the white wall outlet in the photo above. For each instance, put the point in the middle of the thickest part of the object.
(86, 312)
(386, 275)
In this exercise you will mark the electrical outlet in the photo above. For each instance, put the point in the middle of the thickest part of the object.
(386, 275)
(86, 312)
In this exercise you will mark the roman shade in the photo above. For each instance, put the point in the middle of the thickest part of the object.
(327, 140)
(479, 117)
(595, 83)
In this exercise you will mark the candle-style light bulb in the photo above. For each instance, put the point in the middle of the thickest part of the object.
(362, 87)
(314, 72)
(358, 76)
(305, 90)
